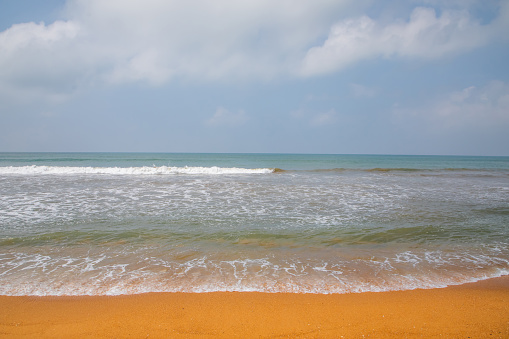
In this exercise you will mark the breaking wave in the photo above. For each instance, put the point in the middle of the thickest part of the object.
(145, 170)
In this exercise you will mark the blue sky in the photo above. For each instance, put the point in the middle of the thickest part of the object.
(289, 76)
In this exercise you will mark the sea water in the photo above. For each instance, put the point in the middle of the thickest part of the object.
(122, 223)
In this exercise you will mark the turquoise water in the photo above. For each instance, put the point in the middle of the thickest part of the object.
(284, 161)
(123, 223)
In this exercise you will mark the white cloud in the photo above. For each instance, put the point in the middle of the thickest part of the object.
(23, 35)
(324, 119)
(361, 91)
(37, 60)
(316, 118)
(470, 108)
(224, 117)
(156, 41)
(425, 35)
(477, 107)
(147, 66)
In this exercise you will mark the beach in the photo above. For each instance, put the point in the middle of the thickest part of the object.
(120, 245)
(254, 169)
(474, 310)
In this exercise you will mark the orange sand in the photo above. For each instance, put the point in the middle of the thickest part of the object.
(479, 310)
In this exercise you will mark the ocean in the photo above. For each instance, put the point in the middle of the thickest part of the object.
(127, 223)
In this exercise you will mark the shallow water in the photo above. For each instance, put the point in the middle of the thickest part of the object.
(99, 223)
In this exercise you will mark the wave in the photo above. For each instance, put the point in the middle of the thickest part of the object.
(422, 171)
(99, 275)
(397, 169)
(167, 170)
(145, 170)
(381, 170)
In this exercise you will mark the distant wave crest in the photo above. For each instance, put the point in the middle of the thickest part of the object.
(146, 170)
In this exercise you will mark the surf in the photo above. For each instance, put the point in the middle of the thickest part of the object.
(145, 170)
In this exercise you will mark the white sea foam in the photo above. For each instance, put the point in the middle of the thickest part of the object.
(61, 274)
(138, 282)
(145, 170)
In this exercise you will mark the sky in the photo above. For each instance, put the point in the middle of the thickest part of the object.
(255, 76)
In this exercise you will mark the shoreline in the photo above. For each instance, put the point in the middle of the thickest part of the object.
(479, 309)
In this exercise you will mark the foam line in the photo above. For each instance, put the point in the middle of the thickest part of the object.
(155, 170)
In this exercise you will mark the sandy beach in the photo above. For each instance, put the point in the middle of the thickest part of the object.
(475, 310)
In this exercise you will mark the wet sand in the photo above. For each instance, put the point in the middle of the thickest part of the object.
(478, 310)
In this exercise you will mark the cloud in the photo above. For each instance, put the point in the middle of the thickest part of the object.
(224, 117)
(481, 108)
(487, 106)
(28, 34)
(156, 41)
(35, 59)
(161, 40)
(324, 119)
(360, 91)
(146, 66)
(118, 42)
(316, 118)
(425, 35)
